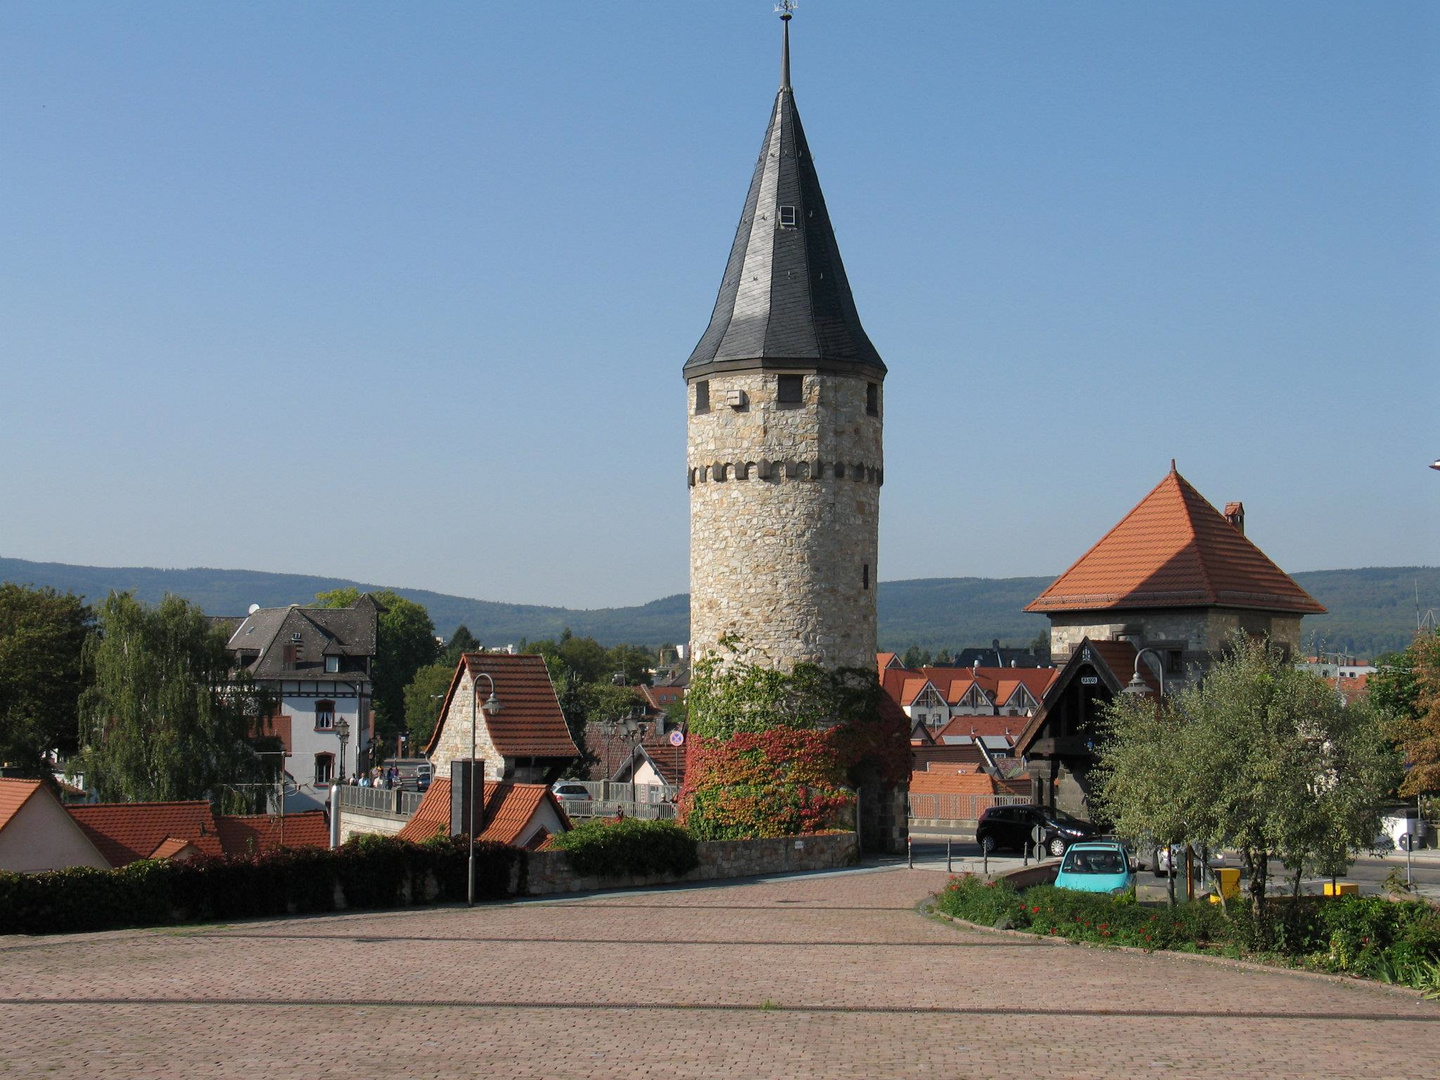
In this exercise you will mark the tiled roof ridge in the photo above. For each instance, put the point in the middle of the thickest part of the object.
(1173, 548)
(1108, 533)
(1187, 490)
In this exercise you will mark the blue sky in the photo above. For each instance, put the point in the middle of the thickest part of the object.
(402, 292)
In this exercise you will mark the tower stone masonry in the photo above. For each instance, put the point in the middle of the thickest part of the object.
(785, 454)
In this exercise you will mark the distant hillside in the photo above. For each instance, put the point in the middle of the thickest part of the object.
(1371, 610)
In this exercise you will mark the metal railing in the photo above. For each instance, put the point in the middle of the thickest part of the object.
(956, 807)
(595, 808)
(380, 800)
(610, 799)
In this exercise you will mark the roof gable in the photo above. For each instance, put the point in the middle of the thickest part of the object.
(530, 722)
(1174, 550)
(14, 794)
(508, 810)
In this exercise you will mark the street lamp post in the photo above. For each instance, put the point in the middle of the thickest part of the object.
(342, 729)
(492, 706)
(1137, 685)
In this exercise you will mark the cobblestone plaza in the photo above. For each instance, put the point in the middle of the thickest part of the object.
(833, 975)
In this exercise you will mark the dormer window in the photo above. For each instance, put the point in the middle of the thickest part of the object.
(332, 664)
(787, 217)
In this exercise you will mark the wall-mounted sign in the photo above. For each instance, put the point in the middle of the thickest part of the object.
(1089, 680)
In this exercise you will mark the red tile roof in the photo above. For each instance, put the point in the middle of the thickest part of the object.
(124, 832)
(1174, 550)
(244, 834)
(530, 723)
(951, 782)
(509, 809)
(172, 846)
(13, 795)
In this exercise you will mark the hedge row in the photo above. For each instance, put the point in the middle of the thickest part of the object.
(629, 846)
(1370, 936)
(367, 872)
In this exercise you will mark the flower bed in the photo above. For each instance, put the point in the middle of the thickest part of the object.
(1396, 942)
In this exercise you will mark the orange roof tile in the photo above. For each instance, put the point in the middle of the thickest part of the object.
(509, 809)
(1174, 550)
(530, 723)
(247, 833)
(124, 832)
(932, 782)
(170, 847)
(13, 795)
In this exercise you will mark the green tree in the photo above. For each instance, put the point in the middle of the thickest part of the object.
(163, 718)
(1260, 756)
(1406, 690)
(461, 642)
(424, 698)
(42, 634)
(633, 662)
(405, 642)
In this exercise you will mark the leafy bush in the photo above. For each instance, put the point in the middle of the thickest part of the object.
(976, 900)
(1370, 936)
(371, 871)
(629, 846)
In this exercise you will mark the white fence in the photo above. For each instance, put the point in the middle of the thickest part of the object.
(958, 807)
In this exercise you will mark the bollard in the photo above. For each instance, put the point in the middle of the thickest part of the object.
(909, 853)
(985, 854)
(949, 869)
(1025, 849)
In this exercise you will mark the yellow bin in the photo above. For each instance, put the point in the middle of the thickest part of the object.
(1229, 878)
(1342, 888)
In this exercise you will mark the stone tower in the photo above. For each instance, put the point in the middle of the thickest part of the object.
(784, 448)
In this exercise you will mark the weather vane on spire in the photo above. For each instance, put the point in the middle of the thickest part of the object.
(786, 8)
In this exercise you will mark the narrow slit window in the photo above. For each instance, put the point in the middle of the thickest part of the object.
(702, 396)
(865, 576)
(787, 217)
(872, 399)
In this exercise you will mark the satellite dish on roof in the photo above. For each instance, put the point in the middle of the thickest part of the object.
(254, 608)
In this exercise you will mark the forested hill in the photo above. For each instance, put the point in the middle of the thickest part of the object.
(1371, 610)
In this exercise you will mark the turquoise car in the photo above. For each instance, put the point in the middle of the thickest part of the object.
(1101, 866)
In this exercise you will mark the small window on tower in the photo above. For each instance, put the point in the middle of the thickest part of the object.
(865, 576)
(787, 216)
(872, 399)
(702, 396)
(790, 389)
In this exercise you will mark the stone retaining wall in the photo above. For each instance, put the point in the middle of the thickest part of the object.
(549, 872)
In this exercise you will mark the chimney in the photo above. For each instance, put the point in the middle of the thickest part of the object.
(1235, 515)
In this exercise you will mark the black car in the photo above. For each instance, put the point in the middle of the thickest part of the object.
(1014, 826)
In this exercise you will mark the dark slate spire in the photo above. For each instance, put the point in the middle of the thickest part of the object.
(785, 302)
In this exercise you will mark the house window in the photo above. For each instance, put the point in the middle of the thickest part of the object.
(324, 715)
(324, 768)
(790, 389)
(1174, 662)
(332, 664)
(872, 399)
(702, 396)
(787, 216)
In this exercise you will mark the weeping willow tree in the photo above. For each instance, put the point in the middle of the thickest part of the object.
(162, 718)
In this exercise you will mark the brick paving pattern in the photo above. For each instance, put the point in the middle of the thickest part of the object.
(816, 976)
